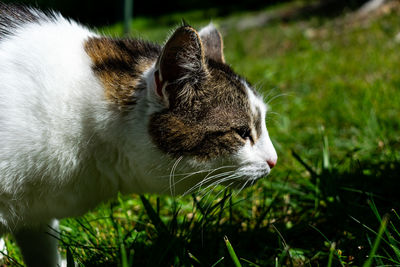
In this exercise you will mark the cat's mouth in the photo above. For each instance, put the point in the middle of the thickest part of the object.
(237, 177)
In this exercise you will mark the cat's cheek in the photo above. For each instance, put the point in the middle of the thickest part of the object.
(247, 154)
(197, 164)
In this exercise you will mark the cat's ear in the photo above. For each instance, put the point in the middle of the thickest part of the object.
(212, 43)
(181, 58)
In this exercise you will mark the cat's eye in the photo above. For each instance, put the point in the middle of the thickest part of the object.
(245, 133)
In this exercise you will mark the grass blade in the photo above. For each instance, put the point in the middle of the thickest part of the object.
(70, 258)
(314, 175)
(250, 263)
(124, 258)
(218, 261)
(194, 258)
(375, 246)
(331, 250)
(232, 253)
(160, 226)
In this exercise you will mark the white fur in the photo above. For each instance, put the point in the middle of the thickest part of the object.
(254, 158)
(207, 29)
(63, 149)
(59, 140)
(3, 248)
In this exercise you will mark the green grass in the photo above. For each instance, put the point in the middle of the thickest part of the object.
(332, 199)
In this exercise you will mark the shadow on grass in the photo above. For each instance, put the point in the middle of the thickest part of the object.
(294, 225)
(351, 204)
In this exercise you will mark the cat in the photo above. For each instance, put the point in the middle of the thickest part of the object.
(85, 116)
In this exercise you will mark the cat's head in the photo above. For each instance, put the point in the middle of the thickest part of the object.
(207, 113)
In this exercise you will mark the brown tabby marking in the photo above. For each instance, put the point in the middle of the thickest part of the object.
(119, 65)
(218, 107)
(257, 123)
(183, 57)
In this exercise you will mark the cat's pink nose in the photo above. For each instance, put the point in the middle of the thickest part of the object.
(272, 162)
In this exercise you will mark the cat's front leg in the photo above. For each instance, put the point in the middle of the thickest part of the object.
(39, 245)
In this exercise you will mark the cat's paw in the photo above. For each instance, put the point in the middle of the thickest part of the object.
(63, 263)
(3, 248)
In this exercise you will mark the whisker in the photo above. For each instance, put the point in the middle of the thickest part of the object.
(227, 174)
(215, 197)
(187, 173)
(275, 97)
(230, 197)
(228, 178)
(266, 96)
(171, 176)
(206, 179)
(200, 184)
(200, 171)
(259, 85)
(240, 190)
(208, 194)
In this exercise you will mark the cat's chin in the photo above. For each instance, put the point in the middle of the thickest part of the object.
(189, 181)
(245, 181)
(253, 172)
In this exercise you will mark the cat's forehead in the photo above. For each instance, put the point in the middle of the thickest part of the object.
(235, 90)
(225, 83)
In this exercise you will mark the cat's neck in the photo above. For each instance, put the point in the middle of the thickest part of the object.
(125, 69)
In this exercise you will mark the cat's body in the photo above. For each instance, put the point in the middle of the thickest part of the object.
(83, 117)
